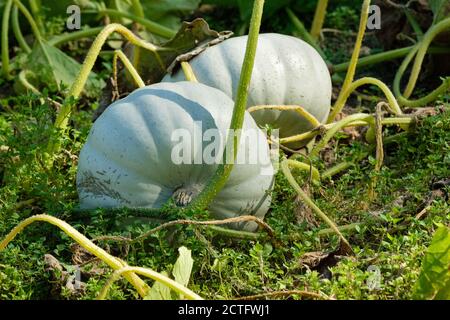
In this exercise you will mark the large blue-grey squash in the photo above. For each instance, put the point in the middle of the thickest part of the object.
(287, 71)
(134, 155)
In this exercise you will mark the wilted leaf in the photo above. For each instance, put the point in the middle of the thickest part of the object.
(54, 68)
(193, 36)
(190, 40)
(183, 266)
(434, 279)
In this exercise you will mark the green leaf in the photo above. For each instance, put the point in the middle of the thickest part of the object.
(183, 266)
(181, 273)
(440, 8)
(434, 279)
(56, 69)
(159, 291)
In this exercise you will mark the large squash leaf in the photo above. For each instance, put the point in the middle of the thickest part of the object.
(434, 279)
(56, 70)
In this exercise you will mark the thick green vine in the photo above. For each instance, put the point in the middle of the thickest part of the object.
(419, 51)
(340, 102)
(223, 171)
(319, 17)
(5, 45)
(113, 262)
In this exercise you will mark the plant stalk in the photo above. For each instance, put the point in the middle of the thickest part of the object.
(403, 121)
(393, 104)
(24, 81)
(335, 128)
(128, 66)
(421, 49)
(188, 71)
(137, 8)
(18, 32)
(113, 262)
(319, 18)
(35, 10)
(315, 175)
(149, 273)
(5, 39)
(385, 56)
(220, 177)
(302, 194)
(353, 61)
(30, 19)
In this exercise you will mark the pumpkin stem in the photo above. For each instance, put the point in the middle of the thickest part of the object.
(328, 173)
(24, 81)
(151, 26)
(188, 71)
(336, 127)
(35, 11)
(183, 196)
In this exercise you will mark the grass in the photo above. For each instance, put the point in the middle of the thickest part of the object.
(389, 238)
(226, 268)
